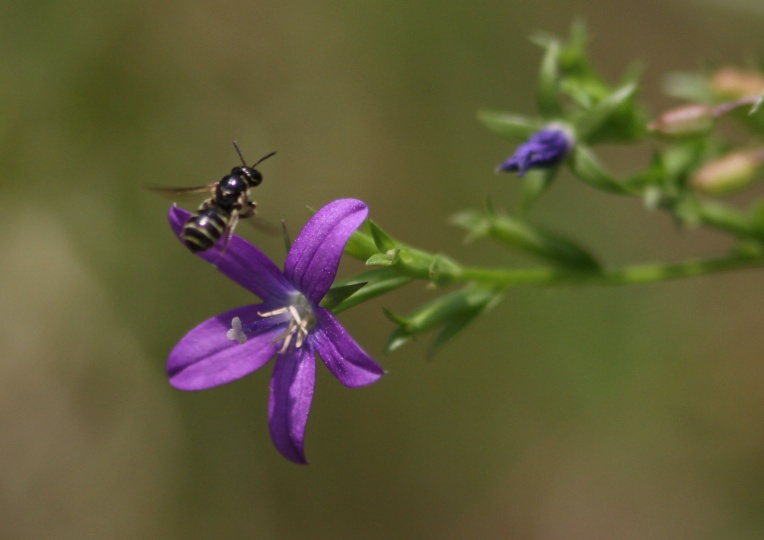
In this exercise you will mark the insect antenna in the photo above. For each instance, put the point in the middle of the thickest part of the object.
(259, 161)
(238, 151)
(241, 157)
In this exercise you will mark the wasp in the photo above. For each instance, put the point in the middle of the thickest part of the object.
(229, 202)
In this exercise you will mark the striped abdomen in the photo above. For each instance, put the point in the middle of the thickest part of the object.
(204, 229)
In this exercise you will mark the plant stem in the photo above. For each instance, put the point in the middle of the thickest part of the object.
(628, 275)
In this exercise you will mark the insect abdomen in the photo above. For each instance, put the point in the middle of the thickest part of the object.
(205, 229)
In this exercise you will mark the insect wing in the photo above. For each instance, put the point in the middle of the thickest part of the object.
(183, 191)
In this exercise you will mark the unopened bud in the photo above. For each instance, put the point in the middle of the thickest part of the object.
(731, 172)
(544, 149)
(734, 83)
(689, 120)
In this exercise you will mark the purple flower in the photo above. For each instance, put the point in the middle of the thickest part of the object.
(289, 324)
(545, 148)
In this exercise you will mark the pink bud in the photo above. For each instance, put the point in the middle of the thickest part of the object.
(734, 83)
(731, 172)
(695, 119)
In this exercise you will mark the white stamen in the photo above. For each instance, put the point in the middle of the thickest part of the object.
(236, 333)
(302, 319)
(274, 312)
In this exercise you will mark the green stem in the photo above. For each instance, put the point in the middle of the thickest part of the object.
(653, 273)
(629, 275)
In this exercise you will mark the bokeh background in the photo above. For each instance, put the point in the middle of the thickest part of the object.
(567, 413)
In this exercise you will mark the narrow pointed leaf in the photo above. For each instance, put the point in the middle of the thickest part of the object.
(382, 240)
(397, 319)
(547, 95)
(361, 245)
(397, 339)
(514, 127)
(590, 121)
(537, 242)
(339, 293)
(450, 312)
(375, 283)
(452, 328)
(285, 235)
(587, 168)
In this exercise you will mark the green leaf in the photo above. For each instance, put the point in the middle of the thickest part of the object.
(477, 225)
(586, 167)
(592, 120)
(548, 93)
(528, 239)
(397, 319)
(458, 323)
(398, 338)
(450, 312)
(514, 127)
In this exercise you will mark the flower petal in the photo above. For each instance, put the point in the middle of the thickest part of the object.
(341, 354)
(241, 262)
(545, 148)
(205, 357)
(292, 383)
(315, 255)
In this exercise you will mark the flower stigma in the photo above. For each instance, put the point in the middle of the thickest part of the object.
(236, 333)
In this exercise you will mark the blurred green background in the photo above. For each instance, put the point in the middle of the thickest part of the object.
(568, 413)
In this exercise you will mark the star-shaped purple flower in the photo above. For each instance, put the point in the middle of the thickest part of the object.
(545, 148)
(289, 324)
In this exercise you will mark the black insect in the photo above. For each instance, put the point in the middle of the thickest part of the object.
(218, 216)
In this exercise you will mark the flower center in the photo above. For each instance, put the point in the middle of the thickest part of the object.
(299, 319)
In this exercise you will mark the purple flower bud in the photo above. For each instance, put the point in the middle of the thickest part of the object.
(545, 148)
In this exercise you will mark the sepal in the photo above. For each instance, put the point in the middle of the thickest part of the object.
(535, 184)
(364, 287)
(382, 240)
(361, 244)
(339, 293)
